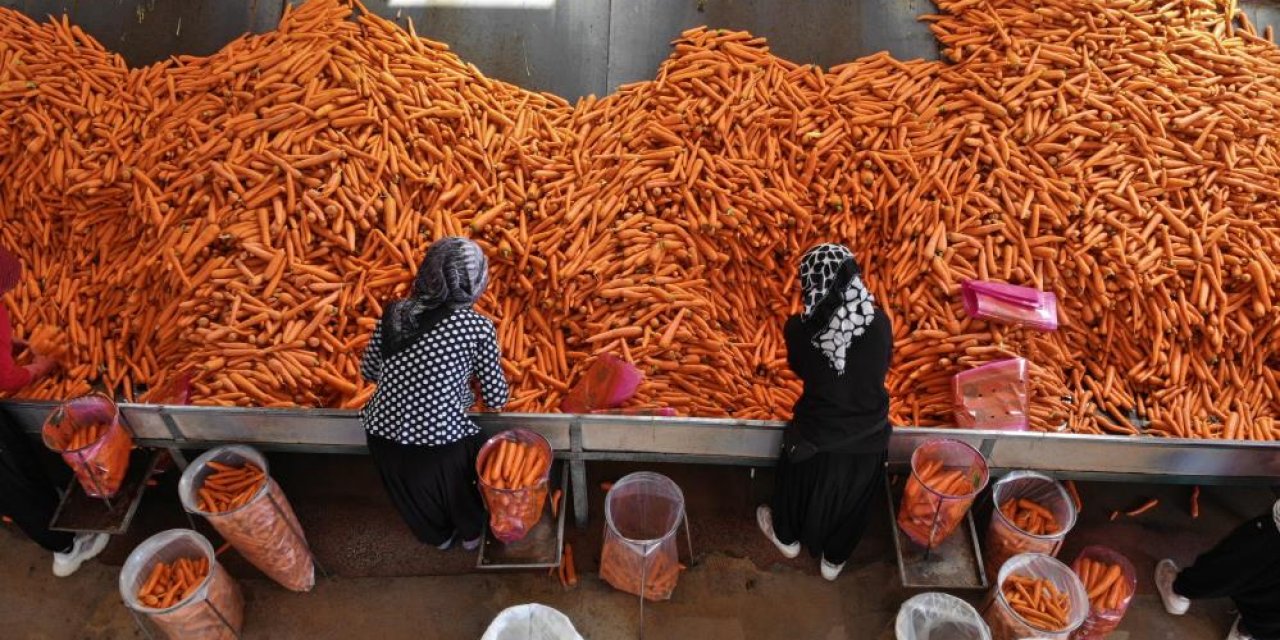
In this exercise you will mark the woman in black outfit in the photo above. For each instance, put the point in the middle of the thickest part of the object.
(835, 447)
(424, 354)
(1244, 566)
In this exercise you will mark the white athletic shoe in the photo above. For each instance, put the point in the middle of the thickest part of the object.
(764, 518)
(1236, 633)
(1166, 573)
(831, 571)
(85, 547)
(447, 544)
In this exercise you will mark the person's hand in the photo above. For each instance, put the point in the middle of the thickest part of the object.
(41, 366)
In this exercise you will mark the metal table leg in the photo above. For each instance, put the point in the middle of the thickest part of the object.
(577, 475)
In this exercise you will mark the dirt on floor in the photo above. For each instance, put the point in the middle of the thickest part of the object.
(382, 583)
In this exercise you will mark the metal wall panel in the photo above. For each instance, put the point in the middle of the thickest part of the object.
(561, 48)
(823, 32)
(144, 31)
(1262, 13)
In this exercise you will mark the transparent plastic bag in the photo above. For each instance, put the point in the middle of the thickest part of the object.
(607, 384)
(100, 463)
(946, 475)
(939, 616)
(643, 512)
(1007, 624)
(264, 530)
(513, 512)
(1005, 539)
(992, 396)
(1010, 304)
(215, 610)
(1105, 610)
(531, 622)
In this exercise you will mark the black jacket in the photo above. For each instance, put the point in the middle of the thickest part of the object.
(837, 413)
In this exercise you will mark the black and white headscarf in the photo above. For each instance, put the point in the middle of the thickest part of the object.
(837, 306)
(453, 275)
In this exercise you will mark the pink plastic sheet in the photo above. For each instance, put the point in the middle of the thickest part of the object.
(992, 396)
(607, 384)
(1011, 304)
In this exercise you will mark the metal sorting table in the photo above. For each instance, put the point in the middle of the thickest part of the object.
(578, 439)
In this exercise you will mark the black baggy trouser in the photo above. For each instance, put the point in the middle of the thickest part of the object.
(28, 494)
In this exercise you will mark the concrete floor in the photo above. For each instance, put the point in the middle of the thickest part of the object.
(384, 584)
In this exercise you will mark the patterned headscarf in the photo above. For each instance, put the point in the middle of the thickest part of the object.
(837, 306)
(453, 274)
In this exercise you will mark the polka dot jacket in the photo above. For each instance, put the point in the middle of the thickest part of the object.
(424, 391)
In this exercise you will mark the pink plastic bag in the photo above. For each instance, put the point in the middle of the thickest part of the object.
(1107, 609)
(93, 441)
(993, 396)
(1008, 303)
(606, 385)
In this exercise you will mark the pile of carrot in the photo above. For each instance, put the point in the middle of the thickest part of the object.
(229, 487)
(249, 213)
(1030, 516)
(515, 465)
(83, 436)
(171, 582)
(1037, 601)
(1103, 582)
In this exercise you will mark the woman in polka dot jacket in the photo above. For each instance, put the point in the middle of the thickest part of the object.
(424, 354)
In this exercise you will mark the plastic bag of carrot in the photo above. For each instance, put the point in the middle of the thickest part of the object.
(946, 476)
(1110, 582)
(1034, 514)
(232, 488)
(513, 469)
(174, 580)
(1035, 596)
(93, 441)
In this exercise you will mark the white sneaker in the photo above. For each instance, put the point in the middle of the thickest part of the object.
(764, 518)
(831, 571)
(1166, 573)
(85, 547)
(1236, 633)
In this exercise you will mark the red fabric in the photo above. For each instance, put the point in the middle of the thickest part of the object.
(12, 377)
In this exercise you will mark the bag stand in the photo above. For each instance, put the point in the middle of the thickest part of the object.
(297, 534)
(78, 512)
(644, 578)
(145, 627)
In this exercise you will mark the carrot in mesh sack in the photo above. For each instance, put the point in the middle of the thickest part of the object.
(517, 465)
(1029, 516)
(1038, 601)
(925, 515)
(513, 468)
(229, 487)
(653, 575)
(1109, 583)
(84, 436)
(232, 488)
(171, 583)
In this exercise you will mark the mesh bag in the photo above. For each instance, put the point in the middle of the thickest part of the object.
(215, 610)
(643, 512)
(264, 530)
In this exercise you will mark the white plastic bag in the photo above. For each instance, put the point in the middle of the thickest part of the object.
(938, 616)
(531, 622)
